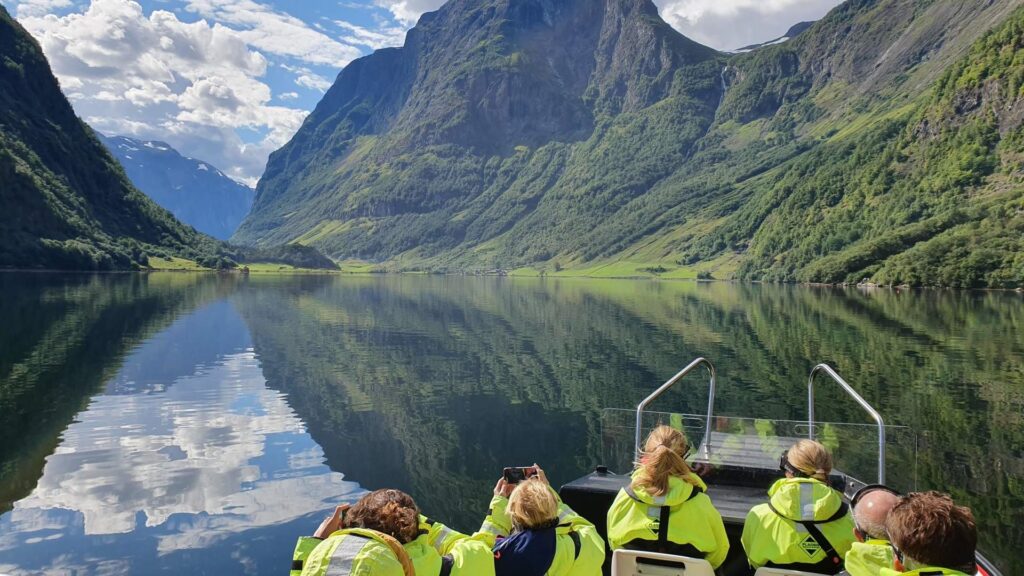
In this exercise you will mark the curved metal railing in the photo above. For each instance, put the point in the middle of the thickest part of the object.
(662, 389)
(853, 394)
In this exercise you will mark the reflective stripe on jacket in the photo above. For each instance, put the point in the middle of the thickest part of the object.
(693, 519)
(352, 552)
(579, 549)
(869, 558)
(773, 534)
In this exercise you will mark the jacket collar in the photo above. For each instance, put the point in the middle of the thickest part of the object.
(802, 499)
(679, 491)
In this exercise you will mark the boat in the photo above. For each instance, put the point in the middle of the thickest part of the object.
(738, 458)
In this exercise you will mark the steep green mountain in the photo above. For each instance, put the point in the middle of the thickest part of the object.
(194, 191)
(64, 202)
(883, 142)
(492, 111)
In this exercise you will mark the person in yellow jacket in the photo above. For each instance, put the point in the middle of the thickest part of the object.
(805, 525)
(665, 508)
(432, 548)
(349, 552)
(533, 533)
(930, 536)
(872, 551)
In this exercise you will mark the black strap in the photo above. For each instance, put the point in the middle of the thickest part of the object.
(447, 562)
(673, 548)
(576, 544)
(823, 542)
(662, 529)
(297, 565)
(664, 512)
(834, 559)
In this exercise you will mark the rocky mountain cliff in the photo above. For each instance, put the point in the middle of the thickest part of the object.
(65, 201)
(196, 192)
(588, 135)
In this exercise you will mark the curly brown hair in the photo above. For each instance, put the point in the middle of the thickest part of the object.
(931, 529)
(392, 512)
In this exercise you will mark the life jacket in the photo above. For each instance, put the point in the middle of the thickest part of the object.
(351, 552)
(683, 521)
(441, 551)
(869, 558)
(804, 526)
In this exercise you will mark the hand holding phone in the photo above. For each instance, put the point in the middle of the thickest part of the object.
(517, 474)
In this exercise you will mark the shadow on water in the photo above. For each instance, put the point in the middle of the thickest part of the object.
(183, 423)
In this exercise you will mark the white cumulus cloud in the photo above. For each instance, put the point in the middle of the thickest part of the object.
(721, 24)
(275, 32)
(29, 8)
(408, 11)
(158, 77)
(731, 24)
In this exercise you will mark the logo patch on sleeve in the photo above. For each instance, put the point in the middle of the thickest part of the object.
(810, 546)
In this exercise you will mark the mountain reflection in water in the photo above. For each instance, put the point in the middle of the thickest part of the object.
(172, 410)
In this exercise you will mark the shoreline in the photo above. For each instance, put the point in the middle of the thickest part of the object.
(561, 276)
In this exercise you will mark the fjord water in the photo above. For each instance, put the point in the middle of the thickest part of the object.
(199, 423)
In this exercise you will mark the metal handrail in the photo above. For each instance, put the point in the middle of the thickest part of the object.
(863, 403)
(661, 390)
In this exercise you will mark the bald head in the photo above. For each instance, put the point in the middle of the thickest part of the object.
(872, 510)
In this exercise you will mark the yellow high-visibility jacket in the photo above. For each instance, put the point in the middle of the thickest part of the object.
(774, 535)
(351, 552)
(695, 527)
(869, 558)
(441, 551)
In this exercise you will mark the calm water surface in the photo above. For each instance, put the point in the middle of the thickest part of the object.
(189, 423)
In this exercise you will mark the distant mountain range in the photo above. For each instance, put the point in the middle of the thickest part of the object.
(65, 203)
(194, 191)
(883, 142)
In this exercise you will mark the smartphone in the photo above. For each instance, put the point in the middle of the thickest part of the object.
(516, 474)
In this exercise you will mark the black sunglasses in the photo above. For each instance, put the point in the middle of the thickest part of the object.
(785, 466)
(896, 552)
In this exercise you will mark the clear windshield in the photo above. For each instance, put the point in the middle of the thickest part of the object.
(759, 443)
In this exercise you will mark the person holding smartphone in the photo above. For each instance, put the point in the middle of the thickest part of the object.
(533, 533)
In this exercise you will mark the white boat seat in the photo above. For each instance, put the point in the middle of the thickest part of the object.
(632, 563)
(782, 572)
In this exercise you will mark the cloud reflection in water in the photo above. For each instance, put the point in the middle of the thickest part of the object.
(176, 476)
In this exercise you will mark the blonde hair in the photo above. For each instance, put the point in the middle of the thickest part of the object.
(812, 458)
(532, 505)
(662, 458)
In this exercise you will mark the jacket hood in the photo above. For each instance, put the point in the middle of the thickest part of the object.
(679, 491)
(526, 553)
(802, 499)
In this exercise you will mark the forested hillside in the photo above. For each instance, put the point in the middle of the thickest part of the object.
(64, 201)
(884, 142)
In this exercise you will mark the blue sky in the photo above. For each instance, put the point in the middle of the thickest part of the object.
(230, 81)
